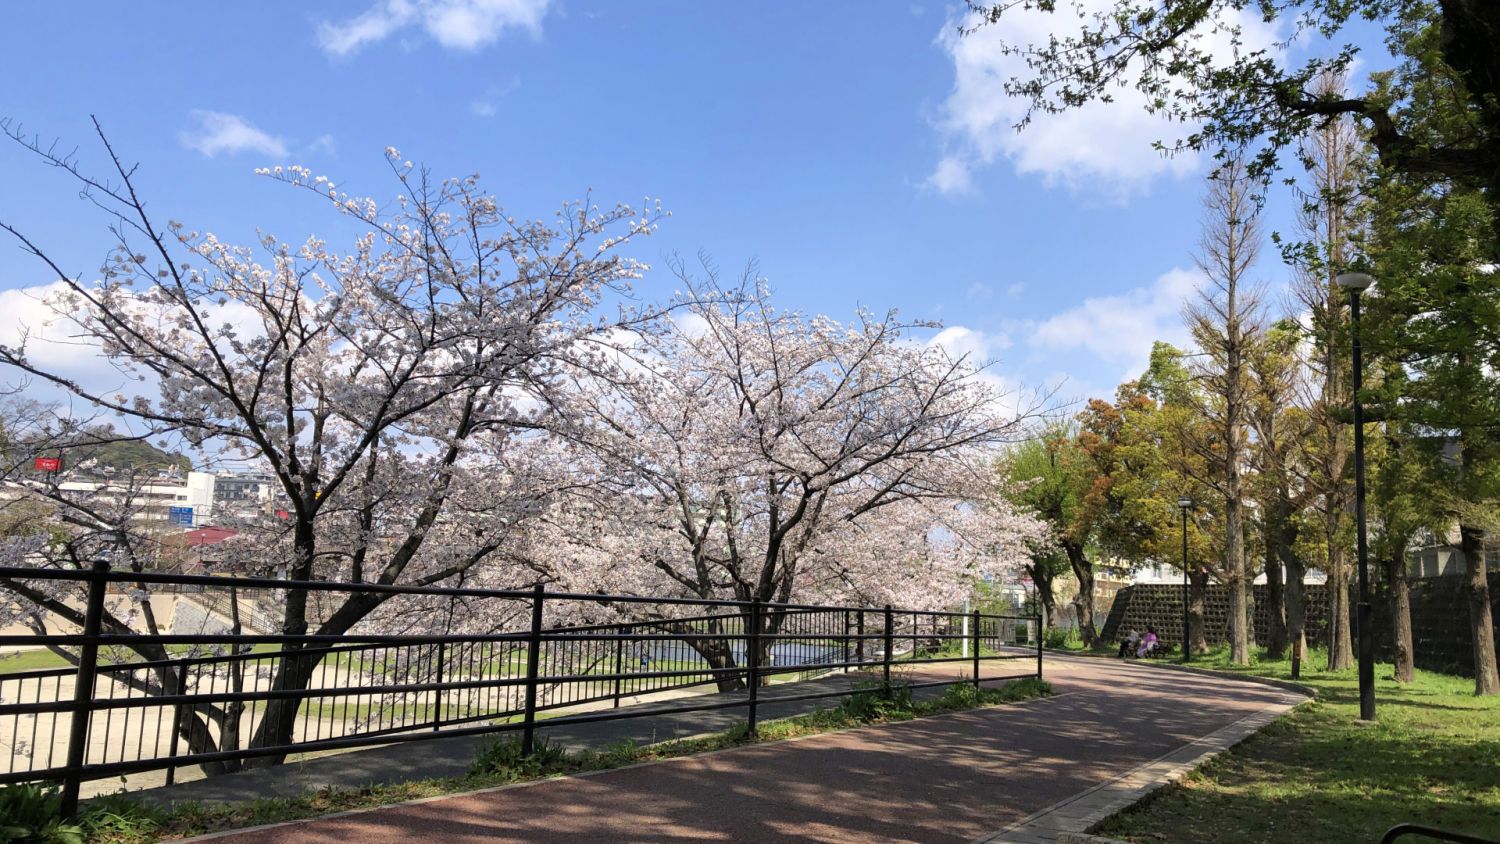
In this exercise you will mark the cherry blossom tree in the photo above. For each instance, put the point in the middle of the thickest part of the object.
(749, 452)
(380, 385)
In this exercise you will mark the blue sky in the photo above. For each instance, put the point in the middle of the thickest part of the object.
(859, 152)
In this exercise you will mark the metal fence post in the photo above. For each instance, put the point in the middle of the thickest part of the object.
(437, 715)
(752, 661)
(848, 624)
(182, 671)
(83, 689)
(1037, 622)
(975, 635)
(890, 644)
(859, 630)
(619, 661)
(533, 657)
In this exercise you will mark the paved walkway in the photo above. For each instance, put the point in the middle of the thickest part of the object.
(450, 757)
(959, 777)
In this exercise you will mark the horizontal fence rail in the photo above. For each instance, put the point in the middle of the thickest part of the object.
(222, 691)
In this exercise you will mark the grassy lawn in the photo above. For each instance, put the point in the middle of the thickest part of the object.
(37, 658)
(1433, 757)
(30, 660)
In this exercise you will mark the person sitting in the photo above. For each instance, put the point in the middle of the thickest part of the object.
(1128, 644)
(1148, 644)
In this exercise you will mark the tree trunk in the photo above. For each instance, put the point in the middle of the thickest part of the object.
(1340, 635)
(1296, 603)
(1197, 603)
(1276, 637)
(1471, 541)
(1041, 578)
(1395, 575)
(1234, 551)
(1084, 571)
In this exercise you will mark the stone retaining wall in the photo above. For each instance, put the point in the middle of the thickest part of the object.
(1439, 615)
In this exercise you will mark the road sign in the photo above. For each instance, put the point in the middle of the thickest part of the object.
(47, 464)
(180, 515)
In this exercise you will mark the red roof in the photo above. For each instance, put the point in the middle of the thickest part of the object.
(208, 536)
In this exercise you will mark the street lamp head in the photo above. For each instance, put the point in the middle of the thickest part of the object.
(1185, 503)
(1354, 281)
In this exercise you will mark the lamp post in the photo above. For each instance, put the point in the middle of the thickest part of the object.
(1357, 283)
(1185, 504)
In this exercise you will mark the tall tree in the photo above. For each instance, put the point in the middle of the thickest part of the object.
(1278, 425)
(1403, 494)
(1177, 426)
(381, 387)
(1436, 312)
(1053, 475)
(760, 453)
(1225, 325)
(1328, 219)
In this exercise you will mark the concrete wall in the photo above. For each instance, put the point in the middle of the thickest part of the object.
(1439, 617)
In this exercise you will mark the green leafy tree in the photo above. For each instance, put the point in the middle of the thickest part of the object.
(1054, 474)
(1278, 424)
(1173, 52)
(1436, 317)
(1224, 321)
(1175, 427)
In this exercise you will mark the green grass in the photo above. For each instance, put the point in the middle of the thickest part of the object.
(1432, 757)
(30, 660)
(38, 658)
(118, 820)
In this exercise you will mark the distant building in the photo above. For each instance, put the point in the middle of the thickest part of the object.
(168, 498)
(243, 494)
(1432, 555)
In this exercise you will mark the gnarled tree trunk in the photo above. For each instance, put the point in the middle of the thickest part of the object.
(1395, 578)
(1197, 604)
(1084, 601)
(1471, 542)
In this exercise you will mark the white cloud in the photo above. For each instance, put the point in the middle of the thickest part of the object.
(1015, 290)
(952, 176)
(978, 347)
(324, 143)
(457, 24)
(31, 317)
(1103, 148)
(1121, 329)
(690, 324)
(218, 132)
(50, 339)
(979, 290)
(488, 104)
(982, 349)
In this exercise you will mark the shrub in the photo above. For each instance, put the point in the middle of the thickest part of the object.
(503, 756)
(870, 702)
(1061, 638)
(114, 817)
(31, 814)
(961, 696)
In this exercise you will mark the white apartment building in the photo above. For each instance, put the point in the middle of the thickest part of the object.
(170, 499)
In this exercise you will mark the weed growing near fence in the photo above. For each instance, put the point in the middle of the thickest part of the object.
(117, 820)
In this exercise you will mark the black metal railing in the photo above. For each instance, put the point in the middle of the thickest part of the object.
(430, 662)
(1404, 829)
